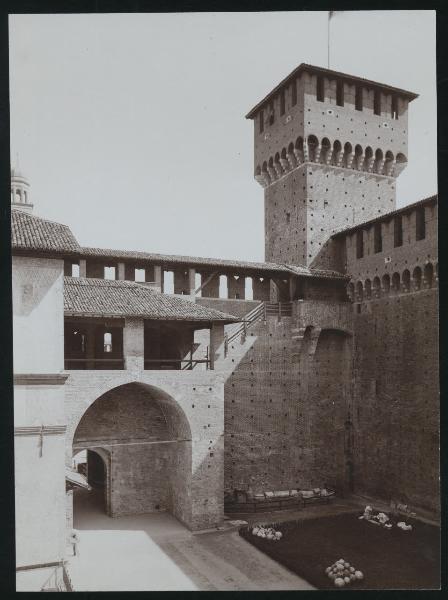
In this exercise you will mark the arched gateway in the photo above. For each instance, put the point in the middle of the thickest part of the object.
(160, 453)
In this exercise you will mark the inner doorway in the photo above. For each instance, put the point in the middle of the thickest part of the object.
(92, 464)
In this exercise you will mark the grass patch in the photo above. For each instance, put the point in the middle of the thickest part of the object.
(389, 559)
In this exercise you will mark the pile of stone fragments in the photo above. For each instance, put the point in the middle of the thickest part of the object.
(382, 519)
(267, 532)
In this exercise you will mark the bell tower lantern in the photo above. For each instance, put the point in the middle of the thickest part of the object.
(20, 191)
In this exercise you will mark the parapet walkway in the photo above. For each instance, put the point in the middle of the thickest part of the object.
(155, 552)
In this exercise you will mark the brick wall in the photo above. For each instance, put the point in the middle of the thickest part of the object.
(397, 399)
(192, 403)
(284, 422)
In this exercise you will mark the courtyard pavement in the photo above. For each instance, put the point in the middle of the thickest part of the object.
(155, 552)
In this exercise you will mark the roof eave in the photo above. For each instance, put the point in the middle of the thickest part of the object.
(306, 67)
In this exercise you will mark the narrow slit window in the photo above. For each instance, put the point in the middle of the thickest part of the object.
(377, 102)
(340, 93)
(107, 342)
(282, 102)
(398, 231)
(420, 225)
(288, 217)
(394, 108)
(320, 89)
(261, 121)
(377, 238)
(358, 98)
(294, 93)
(359, 244)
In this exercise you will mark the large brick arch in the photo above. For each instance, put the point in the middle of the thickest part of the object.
(192, 407)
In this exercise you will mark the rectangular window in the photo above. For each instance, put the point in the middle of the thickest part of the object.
(377, 238)
(75, 270)
(261, 121)
(139, 274)
(358, 98)
(420, 225)
(294, 93)
(109, 272)
(398, 231)
(320, 89)
(282, 102)
(394, 108)
(377, 102)
(340, 93)
(359, 244)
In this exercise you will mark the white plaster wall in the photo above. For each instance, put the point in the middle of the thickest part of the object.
(40, 499)
(38, 315)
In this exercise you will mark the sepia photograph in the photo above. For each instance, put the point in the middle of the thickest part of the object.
(225, 302)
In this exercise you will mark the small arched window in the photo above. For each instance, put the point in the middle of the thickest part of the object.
(396, 282)
(417, 278)
(386, 283)
(428, 275)
(406, 280)
(377, 287)
(368, 289)
(107, 341)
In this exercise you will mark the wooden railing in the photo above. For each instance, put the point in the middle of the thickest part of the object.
(263, 310)
(188, 364)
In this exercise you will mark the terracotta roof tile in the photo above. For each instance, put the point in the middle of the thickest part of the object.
(29, 232)
(109, 298)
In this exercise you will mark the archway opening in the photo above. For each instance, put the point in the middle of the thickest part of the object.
(92, 465)
(137, 441)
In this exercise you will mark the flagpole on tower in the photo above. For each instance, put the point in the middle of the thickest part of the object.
(330, 14)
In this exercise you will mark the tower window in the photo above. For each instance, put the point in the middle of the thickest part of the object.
(271, 114)
(294, 92)
(377, 102)
(398, 231)
(320, 89)
(420, 225)
(377, 238)
(288, 217)
(359, 244)
(261, 121)
(282, 102)
(358, 98)
(340, 93)
(394, 107)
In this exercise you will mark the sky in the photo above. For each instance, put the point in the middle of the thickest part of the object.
(131, 129)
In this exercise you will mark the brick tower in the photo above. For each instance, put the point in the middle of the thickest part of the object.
(328, 147)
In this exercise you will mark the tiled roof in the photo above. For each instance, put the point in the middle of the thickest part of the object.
(387, 216)
(197, 261)
(303, 67)
(107, 298)
(180, 260)
(31, 233)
